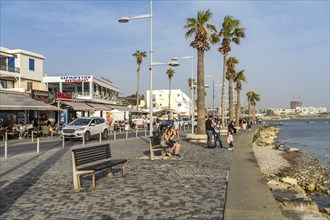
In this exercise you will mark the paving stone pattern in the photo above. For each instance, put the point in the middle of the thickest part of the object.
(192, 187)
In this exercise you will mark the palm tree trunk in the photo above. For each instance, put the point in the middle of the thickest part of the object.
(231, 99)
(223, 91)
(249, 107)
(254, 112)
(169, 94)
(138, 88)
(238, 108)
(200, 93)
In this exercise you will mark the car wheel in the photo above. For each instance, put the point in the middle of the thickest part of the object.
(87, 136)
(105, 134)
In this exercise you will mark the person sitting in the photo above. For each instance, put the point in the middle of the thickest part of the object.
(231, 127)
(170, 141)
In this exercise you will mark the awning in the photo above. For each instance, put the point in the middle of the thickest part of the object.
(10, 101)
(121, 108)
(99, 107)
(80, 106)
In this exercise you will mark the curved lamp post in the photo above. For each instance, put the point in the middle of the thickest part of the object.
(151, 63)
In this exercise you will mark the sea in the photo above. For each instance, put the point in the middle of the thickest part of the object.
(311, 136)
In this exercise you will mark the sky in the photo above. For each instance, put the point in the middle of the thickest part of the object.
(285, 54)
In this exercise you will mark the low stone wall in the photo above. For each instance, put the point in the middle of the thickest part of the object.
(196, 138)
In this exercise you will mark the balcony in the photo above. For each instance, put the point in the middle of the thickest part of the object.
(10, 69)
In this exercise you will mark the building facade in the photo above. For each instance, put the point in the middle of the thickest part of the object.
(179, 102)
(21, 70)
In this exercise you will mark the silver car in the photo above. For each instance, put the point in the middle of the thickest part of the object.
(86, 127)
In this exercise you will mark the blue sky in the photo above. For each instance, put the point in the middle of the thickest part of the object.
(285, 53)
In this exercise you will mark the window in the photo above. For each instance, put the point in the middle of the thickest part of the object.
(6, 84)
(31, 64)
(29, 86)
(11, 64)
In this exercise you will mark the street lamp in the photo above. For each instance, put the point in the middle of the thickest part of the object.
(151, 63)
(191, 89)
(127, 19)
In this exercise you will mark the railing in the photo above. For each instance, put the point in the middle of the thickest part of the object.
(10, 69)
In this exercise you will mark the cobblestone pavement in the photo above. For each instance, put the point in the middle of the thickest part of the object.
(192, 187)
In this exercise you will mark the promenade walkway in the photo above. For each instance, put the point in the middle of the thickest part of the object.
(248, 196)
(193, 187)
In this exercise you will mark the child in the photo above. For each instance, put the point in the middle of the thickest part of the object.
(230, 141)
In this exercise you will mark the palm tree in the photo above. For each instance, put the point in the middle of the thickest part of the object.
(253, 98)
(139, 57)
(239, 78)
(231, 72)
(170, 74)
(230, 32)
(200, 27)
(191, 83)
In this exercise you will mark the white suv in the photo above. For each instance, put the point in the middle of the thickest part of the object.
(86, 127)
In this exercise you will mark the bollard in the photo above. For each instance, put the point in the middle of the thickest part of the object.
(100, 137)
(63, 141)
(38, 145)
(145, 132)
(126, 134)
(32, 135)
(114, 135)
(6, 145)
(136, 131)
(83, 139)
(51, 134)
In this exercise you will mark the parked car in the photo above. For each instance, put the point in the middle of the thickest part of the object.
(85, 127)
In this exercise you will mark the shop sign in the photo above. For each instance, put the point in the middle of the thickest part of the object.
(61, 95)
(40, 95)
(76, 78)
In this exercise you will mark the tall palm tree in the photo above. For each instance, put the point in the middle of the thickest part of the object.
(253, 98)
(200, 27)
(230, 32)
(170, 74)
(231, 72)
(239, 79)
(139, 57)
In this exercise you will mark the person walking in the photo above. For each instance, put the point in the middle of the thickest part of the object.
(230, 141)
(209, 131)
(217, 137)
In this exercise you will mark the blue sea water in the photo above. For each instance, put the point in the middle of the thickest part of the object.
(311, 135)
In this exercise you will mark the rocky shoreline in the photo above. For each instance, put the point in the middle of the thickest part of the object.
(291, 176)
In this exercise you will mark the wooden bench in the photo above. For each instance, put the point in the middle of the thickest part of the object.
(89, 160)
(155, 145)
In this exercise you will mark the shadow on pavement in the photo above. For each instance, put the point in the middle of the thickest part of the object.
(18, 187)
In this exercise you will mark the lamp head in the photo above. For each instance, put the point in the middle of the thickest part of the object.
(175, 58)
(123, 19)
(173, 63)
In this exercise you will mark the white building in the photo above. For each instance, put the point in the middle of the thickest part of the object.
(87, 88)
(310, 110)
(179, 102)
(21, 70)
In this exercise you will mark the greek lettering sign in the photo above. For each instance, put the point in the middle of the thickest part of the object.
(40, 95)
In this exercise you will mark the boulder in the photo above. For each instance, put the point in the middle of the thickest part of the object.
(293, 150)
(289, 180)
(311, 187)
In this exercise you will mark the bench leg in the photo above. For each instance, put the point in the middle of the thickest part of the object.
(110, 174)
(163, 153)
(93, 181)
(76, 182)
(123, 170)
